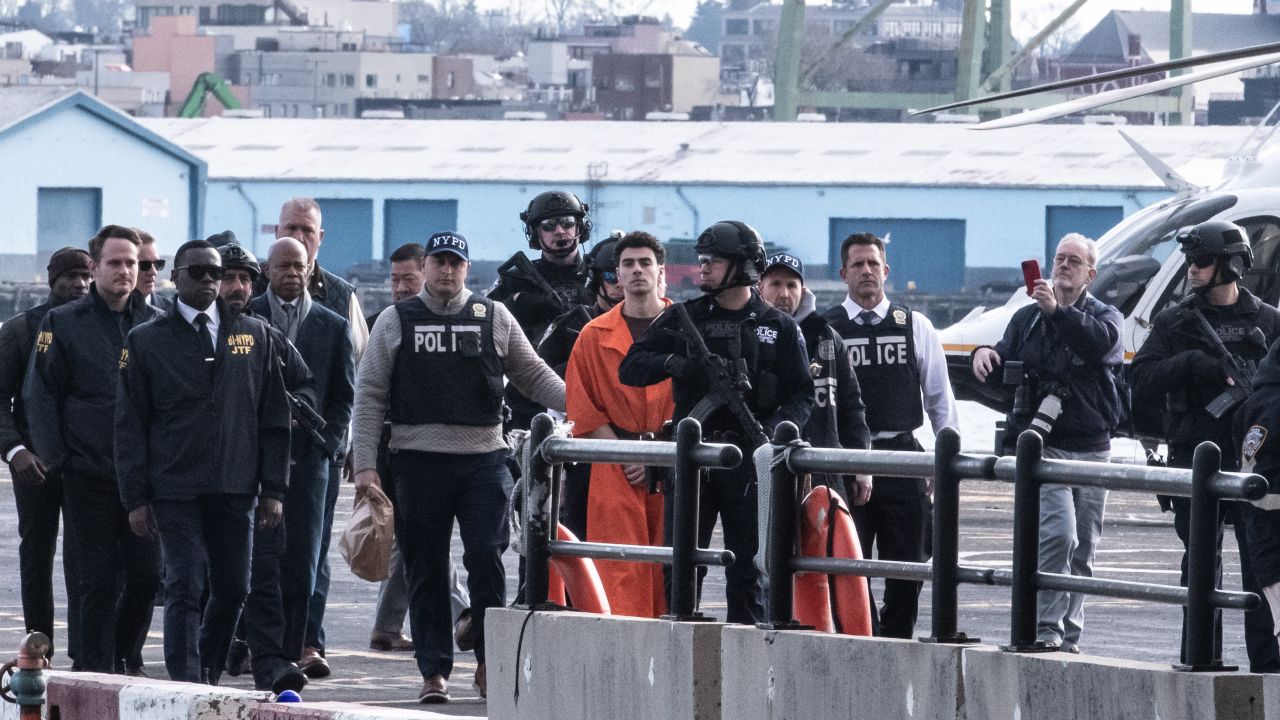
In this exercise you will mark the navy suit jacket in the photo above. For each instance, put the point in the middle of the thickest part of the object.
(324, 341)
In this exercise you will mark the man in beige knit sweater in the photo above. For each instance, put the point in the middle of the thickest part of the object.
(434, 365)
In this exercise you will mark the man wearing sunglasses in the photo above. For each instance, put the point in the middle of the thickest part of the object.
(324, 340)
(70, 397)
(1181, 369)
(556, 224)
(202, 429)
(149, 266)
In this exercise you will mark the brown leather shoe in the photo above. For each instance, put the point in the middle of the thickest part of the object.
(313, 664)
(387, 641)
(435, 690)
(482, 681)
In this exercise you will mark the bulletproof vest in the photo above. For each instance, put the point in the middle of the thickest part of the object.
(749, 347)
(1241, 336)
(447, 370)
(884, 356)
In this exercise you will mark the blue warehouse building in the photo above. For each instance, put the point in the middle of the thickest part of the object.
(70, 163)
(959, 206)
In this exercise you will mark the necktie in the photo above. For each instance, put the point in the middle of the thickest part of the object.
(868, 317)
(291, 319)
(206, 338)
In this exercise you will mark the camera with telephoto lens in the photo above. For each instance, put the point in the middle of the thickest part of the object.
(1036, 402)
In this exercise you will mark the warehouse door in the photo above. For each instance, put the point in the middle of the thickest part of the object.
(348, 233)
(413, 221)
(65, 216)
(924, 255)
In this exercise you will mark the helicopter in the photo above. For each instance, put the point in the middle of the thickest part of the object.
(1140, 268)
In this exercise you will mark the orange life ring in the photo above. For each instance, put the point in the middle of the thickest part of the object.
(830, 603)
(580, 577)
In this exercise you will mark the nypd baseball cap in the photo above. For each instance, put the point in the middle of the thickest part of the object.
(448, 242)
(783, 260)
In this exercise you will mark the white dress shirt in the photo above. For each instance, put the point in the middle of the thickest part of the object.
(189, 314)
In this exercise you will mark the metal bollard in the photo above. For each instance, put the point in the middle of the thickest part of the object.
(22, 679)
(684, 525)
(781, 541)
(537, 515)
(1202, 561)
(1026, 547)
(946, 540)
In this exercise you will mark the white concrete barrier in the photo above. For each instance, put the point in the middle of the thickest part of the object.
(822, 676)
(1061, 686)
(575, 666)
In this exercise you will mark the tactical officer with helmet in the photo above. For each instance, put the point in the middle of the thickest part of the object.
(764, 348)
(1197, 365)
(537, 292)
(554, 350)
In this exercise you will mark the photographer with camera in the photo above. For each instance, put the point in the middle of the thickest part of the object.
(1197, 366)
(1061, 357)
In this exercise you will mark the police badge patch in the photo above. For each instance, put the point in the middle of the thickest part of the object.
(826, 350)
(1252, 443)
(478, 310)
(900, 317)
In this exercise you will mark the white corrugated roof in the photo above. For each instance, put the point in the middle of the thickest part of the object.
(1076, 156)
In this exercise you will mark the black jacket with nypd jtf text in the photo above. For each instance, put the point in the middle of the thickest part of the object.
(70, 389)
(183, 430)
(766, 339)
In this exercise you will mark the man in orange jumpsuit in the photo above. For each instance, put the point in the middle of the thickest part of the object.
(620, 508)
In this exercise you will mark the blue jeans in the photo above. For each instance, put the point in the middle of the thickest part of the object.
(207, 539)
(1070, 530)
(432, 490)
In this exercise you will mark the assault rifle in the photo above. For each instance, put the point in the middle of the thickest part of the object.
(309, 421)
(727, 387)
(1240, 372)
(520, 267)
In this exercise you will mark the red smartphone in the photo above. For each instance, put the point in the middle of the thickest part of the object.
(1030, 274)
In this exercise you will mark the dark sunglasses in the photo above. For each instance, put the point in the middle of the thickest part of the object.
(200, 272)
(611, 278)
(565, 223)
(1203, 261)
(149, 265)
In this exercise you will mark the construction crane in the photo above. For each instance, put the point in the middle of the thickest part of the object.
(205, 84)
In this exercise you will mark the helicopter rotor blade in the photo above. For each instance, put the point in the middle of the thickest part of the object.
(1113, 96)
(1179, 64)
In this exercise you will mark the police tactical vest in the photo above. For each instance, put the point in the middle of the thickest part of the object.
(884, 357)
(747, 344)
(447, 371)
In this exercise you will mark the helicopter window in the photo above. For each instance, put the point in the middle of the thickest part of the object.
(1264, 236)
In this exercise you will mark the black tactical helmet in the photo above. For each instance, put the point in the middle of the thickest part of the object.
(736, 241)
(235, 257)
(1218, 238)
(556, 203)
(602, 259)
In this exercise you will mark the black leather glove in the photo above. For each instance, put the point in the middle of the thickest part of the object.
(1204, 369)
(681, 367)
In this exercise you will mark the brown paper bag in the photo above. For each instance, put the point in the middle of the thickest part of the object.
(368, 538)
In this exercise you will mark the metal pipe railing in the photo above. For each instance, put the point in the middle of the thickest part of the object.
(688, 455)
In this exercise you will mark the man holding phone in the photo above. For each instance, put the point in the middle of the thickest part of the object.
(1060, 358)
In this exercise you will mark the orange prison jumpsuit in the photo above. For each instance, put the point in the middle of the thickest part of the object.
(618, 512)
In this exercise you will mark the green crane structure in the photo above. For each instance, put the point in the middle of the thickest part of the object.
(206, 84)
(986, 61)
